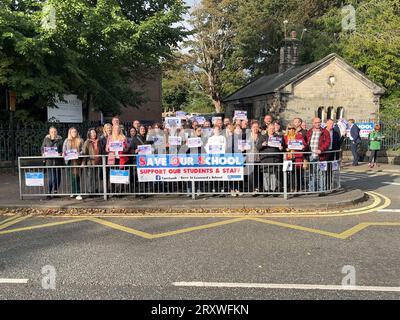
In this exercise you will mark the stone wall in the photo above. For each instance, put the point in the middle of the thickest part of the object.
(314, 91)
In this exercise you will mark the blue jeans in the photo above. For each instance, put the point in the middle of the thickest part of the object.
(317, 177)
(54, 178)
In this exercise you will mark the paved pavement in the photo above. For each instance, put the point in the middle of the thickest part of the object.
(210, 257)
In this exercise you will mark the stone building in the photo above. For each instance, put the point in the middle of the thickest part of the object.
(329, 88)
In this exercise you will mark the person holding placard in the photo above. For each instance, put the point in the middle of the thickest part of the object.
(117, 146)
(51, 149)
(270, 157)
(318, 140)
(249, 144)
(295, 141)
(72, 149)
(92, 149)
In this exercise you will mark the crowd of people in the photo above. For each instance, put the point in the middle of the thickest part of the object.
(262, 143)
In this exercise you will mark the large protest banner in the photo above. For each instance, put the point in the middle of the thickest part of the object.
(190, 167)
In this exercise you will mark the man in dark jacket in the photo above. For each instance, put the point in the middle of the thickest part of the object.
(51, 149)
(335, 143)
(355, 141)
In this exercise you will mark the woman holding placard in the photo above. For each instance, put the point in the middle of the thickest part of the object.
(51, 149)
(92, 149)
(295, 141)
(72, 149)
(117, 146)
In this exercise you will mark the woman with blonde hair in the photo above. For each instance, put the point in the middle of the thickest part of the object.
(115, 156)
(107, 130)
(72, 148)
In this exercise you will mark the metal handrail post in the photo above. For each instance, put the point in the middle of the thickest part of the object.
(19, 178)
(285, 193)
(103, 162)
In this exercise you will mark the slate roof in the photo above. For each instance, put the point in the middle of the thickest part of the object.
(271, 83)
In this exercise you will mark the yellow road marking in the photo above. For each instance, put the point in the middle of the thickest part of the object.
(296, 227)
(41, 226)
(343, 235)
(375, 206)
(164, 234)
(12, 222)
(205, 226)
(122, 228)
(9, 219)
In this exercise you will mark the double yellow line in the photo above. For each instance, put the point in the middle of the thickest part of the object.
(12, 220)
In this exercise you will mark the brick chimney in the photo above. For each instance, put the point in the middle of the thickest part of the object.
(290, 52)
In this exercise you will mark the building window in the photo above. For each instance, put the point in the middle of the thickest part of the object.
(330, 113)
(339, 113)
(321, 113)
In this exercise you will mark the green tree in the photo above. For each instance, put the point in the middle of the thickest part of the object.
(96, 48)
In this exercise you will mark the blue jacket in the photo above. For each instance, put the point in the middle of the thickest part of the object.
(355, 133)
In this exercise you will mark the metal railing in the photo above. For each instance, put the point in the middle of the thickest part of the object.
(259, 178)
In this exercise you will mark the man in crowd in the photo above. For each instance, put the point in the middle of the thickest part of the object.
(297, 122)
(355, 141)
(267, 121)
(136, 125)
(334, 145)
(227, 122)
(319, 141)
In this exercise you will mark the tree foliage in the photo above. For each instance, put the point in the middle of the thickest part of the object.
(96, 48)
(237, 41)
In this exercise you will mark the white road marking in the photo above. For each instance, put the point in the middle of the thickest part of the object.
(13, 281)
(392, 183)
(285, 286)
(389, 210)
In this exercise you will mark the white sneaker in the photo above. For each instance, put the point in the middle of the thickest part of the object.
(78, 198)
(72, 196)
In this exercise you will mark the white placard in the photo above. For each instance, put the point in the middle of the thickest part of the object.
(274, 142)
(116, 146)
(214, 119)
(216, 148)
(119, 176)
(50, 152)
(181, 114)
(174, 141)
(287, 165)
(144, 149)
(67, 112)
(71, 154)
(200, 120)
(194, 142)
(323, 166)
(173, 122)
(34, 179)
(295, 145)
(240, 115)
(244, 145)
(335, 165)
